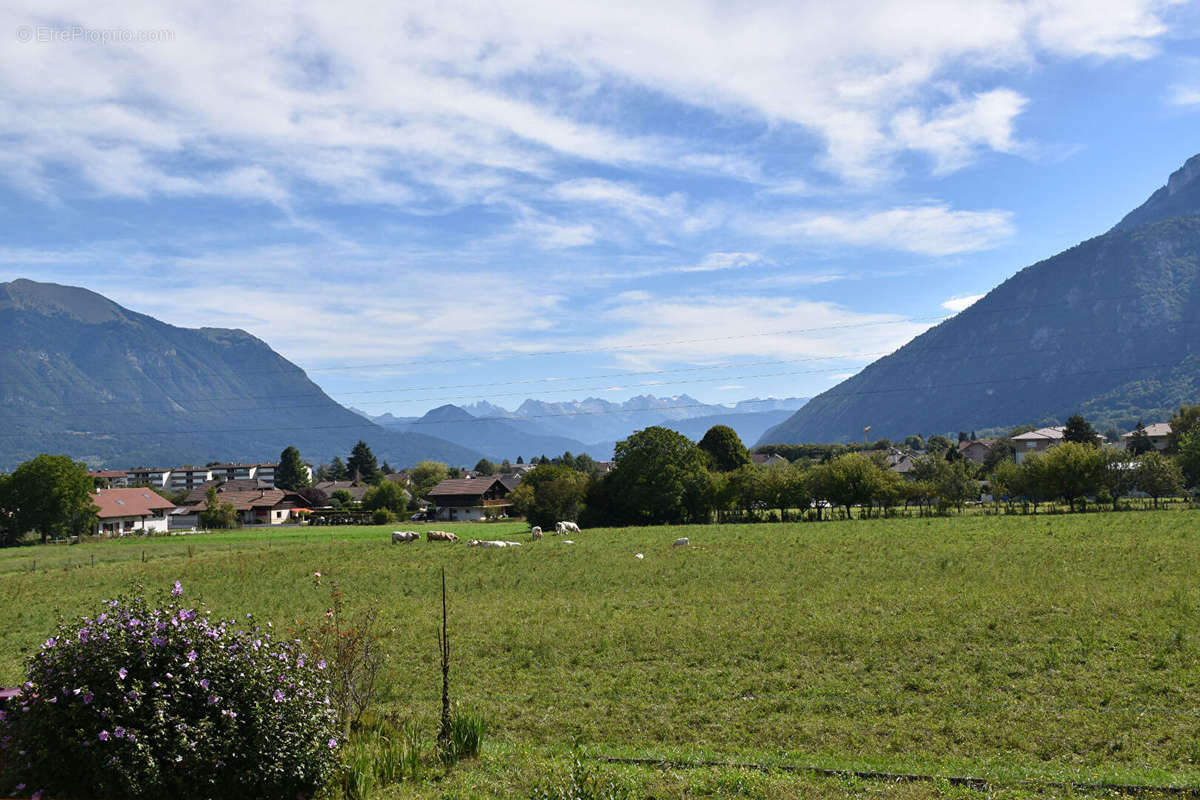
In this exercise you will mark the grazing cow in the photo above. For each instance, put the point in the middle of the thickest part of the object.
(681, 542)
(405, 536)
(440, 536)
(563, 528)
(535, 533)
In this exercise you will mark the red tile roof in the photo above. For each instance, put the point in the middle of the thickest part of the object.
(128, 503)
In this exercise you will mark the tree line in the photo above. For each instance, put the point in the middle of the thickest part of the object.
(662, 477)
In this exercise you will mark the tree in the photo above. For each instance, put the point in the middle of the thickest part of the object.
(1080, 431)
(724, 448)
(786, 488)
(333, 471)
(51, 495)
(955, 485)
(746, 487)
(1158, 475)
(362, 466)
(485, 467)
(343, 497)
(386, 495)
(520, 460)
(849, 480)
(1002, 450)
(216, 514)
(1189, 458)
(1183, 422)
(914, 442)
(386, 468)
(938, 444)
(1119, 476)
(659, 477)
(549, 493)
(1139, 441)
(428, 474)
(1071, 471)
(291, 474)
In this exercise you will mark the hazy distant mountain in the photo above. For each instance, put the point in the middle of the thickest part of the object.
(82, 376)
(1109, 328)
(603, 422)
(496, 438)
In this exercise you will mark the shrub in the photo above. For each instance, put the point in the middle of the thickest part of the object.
(381, 516)
(158, 700)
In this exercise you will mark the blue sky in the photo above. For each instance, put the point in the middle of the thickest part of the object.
(447, 202)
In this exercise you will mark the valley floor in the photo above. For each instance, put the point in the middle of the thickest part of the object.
(1061, 648)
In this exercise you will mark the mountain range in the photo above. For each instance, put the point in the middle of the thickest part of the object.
(1109, 328)
(81, 375)
(589, 426)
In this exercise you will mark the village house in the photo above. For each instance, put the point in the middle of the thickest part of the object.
(1041, 440)
(255, 502)
(470, 499)
(125, 510)
(773, 460)
(976, 450)
(1158, 434)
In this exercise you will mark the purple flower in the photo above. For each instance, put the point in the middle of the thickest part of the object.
(121, 673)
(178, 590)
(321, 664)
(104, 736)
(88, 698)
(191, 656)
(212, 700)
(278, 696)
(50, 643)
(204, 683)
(83, 635)
(332, 743)
(119, 732)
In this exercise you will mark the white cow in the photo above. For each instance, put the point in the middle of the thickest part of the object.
(405, 536)
(535, 533)
(491, 544)
(681, 542)
(440, 536)
(563, 528)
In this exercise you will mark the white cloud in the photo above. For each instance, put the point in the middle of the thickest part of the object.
(935, 230)
(656, 330)
(959, 303)
(1184, 96)
(447, 101)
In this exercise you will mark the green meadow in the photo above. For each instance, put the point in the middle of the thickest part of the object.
(1049, 648)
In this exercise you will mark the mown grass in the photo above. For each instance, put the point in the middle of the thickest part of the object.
(1008, 648)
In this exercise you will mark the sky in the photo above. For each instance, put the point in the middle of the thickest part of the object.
(445, 202)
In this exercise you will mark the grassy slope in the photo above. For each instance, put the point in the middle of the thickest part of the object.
(1007, 647)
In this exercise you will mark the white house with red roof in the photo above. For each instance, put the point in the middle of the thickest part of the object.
(125, 511)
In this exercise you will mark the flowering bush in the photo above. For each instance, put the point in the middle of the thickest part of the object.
(159, 700)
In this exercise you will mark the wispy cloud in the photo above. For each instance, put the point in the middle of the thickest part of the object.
(957, 304)
(935, 230)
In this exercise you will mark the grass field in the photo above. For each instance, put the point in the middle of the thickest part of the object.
(1062, 648)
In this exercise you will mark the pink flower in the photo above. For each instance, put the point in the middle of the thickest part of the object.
(104, 736)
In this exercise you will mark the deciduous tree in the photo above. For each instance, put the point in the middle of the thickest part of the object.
(50, 495)
(724, 448)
